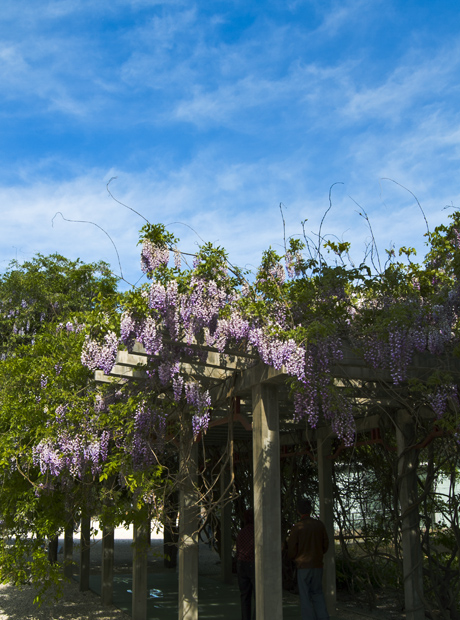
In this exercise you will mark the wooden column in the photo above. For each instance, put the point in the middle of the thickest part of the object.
(170, 532)
(410, 526)
(85, 541)
(225, 525)
(188, 527)
(68, 551)
(267, 502)
(140, 547)
(53, 549)
(326, 504)
(108, 544)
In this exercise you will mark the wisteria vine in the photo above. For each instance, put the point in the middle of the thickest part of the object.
(297, 314)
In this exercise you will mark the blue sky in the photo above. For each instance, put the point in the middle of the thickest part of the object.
(210, 114)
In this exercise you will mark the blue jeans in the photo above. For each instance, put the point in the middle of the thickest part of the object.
(312, 603)
(246, 584)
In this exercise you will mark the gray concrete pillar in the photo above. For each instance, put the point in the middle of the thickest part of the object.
(410, 526)
(225, 525)
(140, 548)
(68, 551)
(188, 526)
(85, 542)
(267, 502)
(326, 504)
(108, 547)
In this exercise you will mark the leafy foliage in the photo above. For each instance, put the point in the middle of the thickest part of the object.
(67, 445)
(46, 404)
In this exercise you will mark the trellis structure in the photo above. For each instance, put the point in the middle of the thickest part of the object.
(265, 411)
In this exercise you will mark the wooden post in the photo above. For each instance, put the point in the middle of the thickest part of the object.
(108, 544)
(410, 526)
(85, 541)
(141, 541)
(68, 551)
(53, 549)
(267, 502)
(188, 527)
(326, 504)
(170, 535)
(225, 526)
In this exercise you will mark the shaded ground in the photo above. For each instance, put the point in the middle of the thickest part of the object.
(217, 600)
(17, 605)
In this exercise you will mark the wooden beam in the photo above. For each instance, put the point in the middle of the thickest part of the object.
(243, 381)
(326, 502)
(141, 534)
(188, 526)
(267, 502)
(226, 524)
(108, 546)
(85, 542)
(410, 526)
(68, 551)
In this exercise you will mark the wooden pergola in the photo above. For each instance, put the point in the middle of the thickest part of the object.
(266, 414)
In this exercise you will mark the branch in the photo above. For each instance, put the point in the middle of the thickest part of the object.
(416, 199)
(122, 203)
(373, 244)
(324, 217)
(284, 227)
(100, 228)
(192, 229)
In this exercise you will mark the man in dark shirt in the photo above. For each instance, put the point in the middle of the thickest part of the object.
(307, 544)
(245, 564)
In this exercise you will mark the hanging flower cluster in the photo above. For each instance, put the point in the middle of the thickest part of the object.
(71, 453)
(148, 436)
(100, 356)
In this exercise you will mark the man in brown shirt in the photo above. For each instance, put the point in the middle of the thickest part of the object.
(307, 544)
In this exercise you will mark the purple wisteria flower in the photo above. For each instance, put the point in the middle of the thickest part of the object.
(150, 337)
(293, 263)
(152, 256)
(71, 453)
(148, 436)
(438, 400)
(200, 400)
(61, 410)
(177, 259)
(100, 356)
(99, 404)
(178, 387)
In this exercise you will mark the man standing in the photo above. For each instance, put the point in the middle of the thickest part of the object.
(245, 564)
(307, 544)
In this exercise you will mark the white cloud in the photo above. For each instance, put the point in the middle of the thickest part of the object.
(276, 113)
(224, 204)
(221, 105)
(45, 74)
(346, 13)
(234, 205)
(418, 80)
